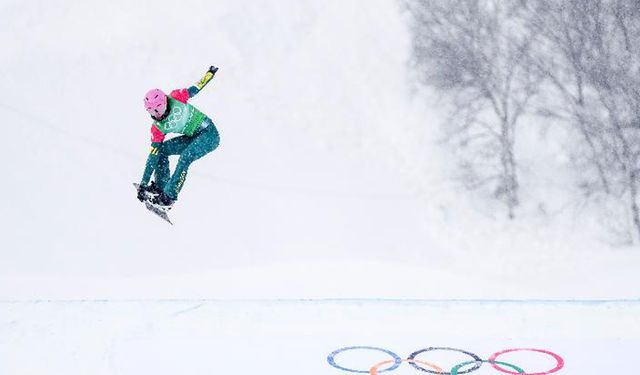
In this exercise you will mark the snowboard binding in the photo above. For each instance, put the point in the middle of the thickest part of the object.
(153, 201)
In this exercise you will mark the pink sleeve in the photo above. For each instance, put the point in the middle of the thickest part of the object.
(181, 95)
(156, 134)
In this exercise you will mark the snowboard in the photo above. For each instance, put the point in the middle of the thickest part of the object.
(156, 210)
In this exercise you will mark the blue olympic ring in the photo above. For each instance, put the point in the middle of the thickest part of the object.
(397, 361)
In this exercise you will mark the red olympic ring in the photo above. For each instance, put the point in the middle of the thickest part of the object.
(559, 361)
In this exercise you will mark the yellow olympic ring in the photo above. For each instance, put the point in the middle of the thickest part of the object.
(374, 369)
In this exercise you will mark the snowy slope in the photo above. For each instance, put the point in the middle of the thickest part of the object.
(293, 337)
(328, 181)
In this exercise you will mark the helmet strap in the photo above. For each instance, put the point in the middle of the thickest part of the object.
(164, 115)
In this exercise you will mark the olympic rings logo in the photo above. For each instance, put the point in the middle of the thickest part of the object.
(462, 368)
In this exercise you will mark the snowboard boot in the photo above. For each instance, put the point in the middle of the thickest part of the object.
(153, 189)
(150, 192)
(162, 201)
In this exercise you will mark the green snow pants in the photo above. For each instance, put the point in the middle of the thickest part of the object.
(190, 149)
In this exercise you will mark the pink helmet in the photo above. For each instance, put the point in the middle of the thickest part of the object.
(155, 102)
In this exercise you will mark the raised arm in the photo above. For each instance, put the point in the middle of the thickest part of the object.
(185, 94)
(193, 90)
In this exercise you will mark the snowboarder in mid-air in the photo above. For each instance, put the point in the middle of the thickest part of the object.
(198, 137)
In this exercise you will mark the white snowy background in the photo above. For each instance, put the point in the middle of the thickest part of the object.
(328, 183)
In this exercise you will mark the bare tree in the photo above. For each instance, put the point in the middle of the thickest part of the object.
(476, 52)
(560, 55)
(588, 52)
(493, 57)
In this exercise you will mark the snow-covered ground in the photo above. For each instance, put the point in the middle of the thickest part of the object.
(328, 183)
(296, 337)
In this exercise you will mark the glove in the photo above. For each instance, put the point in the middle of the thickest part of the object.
(142, 190)
(207, 77)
